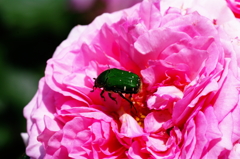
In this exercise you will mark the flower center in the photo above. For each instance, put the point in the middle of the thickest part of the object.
(139, 102)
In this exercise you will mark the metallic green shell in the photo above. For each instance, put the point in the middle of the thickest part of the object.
(118, 81)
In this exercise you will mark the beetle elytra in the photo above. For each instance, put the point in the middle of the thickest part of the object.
(118, 81)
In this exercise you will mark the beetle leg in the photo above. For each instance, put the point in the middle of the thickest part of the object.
(130, 96)
(110, 95)
(101, 94)
(128, 101)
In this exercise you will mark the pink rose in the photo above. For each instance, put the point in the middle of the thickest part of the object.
(187, 58)
(234, 5)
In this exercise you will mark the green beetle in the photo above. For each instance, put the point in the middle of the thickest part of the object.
(118, 81)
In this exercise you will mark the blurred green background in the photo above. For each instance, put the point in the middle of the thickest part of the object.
(30, 31)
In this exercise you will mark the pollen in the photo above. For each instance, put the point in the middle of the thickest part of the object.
(137, 119)
(140, 119)
(139, 102)
(141, 113)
